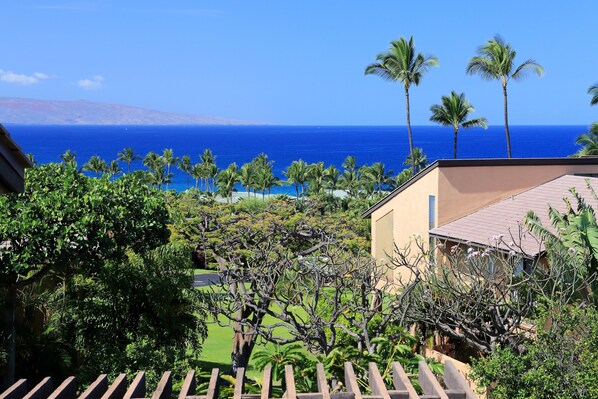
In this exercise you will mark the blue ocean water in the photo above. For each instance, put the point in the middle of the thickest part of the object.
(284, 144)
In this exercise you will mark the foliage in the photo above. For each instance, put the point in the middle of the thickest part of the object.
(417, 160)
(589, 141)
(453, 112)
(560, 361)
(495, 61)
(140, 313)
(593, 91)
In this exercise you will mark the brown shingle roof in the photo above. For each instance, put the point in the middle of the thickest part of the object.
(505, 218)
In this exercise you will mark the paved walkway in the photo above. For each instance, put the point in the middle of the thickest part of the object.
(205, 280)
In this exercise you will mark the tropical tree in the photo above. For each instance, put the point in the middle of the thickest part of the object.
(379, 175)
(114, 169)
(331, 176)
(185, 165)
(350, 181)
(96, 165)
(495, 61)
(169, 159)
(160, 176)
(197, 173)
(128, 156)
(265, 180)
(317, 176)
(401, 64)
(226, 181)
(69, 158)
(153, 161)
(417, 160)
(453, 111)
(247, 176)
(593, 91)
(402, 178)
(589, 141)
(208, 159)
(297, 174)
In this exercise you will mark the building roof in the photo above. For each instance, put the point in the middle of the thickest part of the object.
(501, 224)
(448, 163)
(12, 162)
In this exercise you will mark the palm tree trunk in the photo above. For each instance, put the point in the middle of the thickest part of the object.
(455, 143)
(409, 125)
(504, 91)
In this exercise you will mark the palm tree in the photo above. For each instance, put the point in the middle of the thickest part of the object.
(454, 111)
(197, 173)
(593, 91)
(402, 64)
(114, 169)
(378, 175)
(247, 176)
(331, 175)
(265, 180)
(417, 160)
(495, 61)
(69, 158)
(350, 181)
(297, 173)
(128, 156)
(208, 159)
(589, 141)
(96, 165)
(402, 178)
(226, 181)
(153, 161)
(317, 176)
(160, 176)
(185, 165)
(169, 159)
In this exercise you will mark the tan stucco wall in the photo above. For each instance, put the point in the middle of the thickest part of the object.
(410, 214)
(464, 190)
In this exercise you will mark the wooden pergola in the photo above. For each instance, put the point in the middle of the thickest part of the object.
(454, 386)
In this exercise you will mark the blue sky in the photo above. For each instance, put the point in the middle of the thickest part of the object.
(296, 62)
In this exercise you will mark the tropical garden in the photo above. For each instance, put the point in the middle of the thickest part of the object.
(97, 266)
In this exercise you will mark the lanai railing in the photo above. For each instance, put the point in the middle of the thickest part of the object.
(455, 386)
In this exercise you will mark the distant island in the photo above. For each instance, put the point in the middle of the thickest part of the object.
(80, 112)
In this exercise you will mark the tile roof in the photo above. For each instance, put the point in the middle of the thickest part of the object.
(505, 218)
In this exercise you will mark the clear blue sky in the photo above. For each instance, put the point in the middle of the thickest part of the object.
(297, 62)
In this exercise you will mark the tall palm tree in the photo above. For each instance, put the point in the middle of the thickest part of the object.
(185, 165)
(69, 158)
(417, 160)
(265, 180)
(350, 181)
(593, 91)
(317, 176)
(401, 64)
(495, 61)
(160, 176)
(208, 159)
(589, 141)
(197, 173)
(96, 165)
(128, 156)
(453, 111)
(247, 176)
(169, 159)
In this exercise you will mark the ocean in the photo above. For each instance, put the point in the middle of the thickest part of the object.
(284, 144)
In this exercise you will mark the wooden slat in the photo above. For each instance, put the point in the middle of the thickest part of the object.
(342, 395)
(164, 389)
(455, 380)
(41, 390)
(401, 381)
(289, 380)
(96, 389)
(16, 390)
(213, 385)
(66, 390)
(398, 394)
(189, 385)
(309, 395)
(323, 387)
(351, 381)
(376, 383)
(137, 388)
(428, 382)
(239, 383)
(117, 389)
(267, 383)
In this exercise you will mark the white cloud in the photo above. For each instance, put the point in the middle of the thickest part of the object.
(93, 83)
(22, 79)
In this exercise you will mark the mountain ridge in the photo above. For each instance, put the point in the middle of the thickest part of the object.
(29, 111)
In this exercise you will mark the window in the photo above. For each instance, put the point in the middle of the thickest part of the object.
(432, 211)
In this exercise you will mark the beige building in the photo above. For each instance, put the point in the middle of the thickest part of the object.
(12, 164)
(441, 201)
